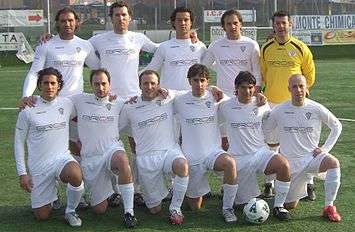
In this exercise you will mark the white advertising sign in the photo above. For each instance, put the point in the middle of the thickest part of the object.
(10, 41)
(21, 18)
(317, 22)
(217, 32)
(214, 16)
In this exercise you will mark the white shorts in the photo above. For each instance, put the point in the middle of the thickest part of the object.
(301, 168)
(44, 189)
(198, 176)
(151, 170)
(247, 169)
(273, 136)
(97, 175)
(73, 131)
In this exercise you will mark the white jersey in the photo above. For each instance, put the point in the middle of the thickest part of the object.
(97, 123)
(174, 58)
(45, 129)
(300, 127)
(229, 57)
(68, 57)
(199, 126)
(119, 54)
(244, 125)
(151, 123)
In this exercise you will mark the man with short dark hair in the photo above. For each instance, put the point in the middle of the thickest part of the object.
(102, 154)
(282, 56)
(197, 113)
(45, 129)
(243, 120)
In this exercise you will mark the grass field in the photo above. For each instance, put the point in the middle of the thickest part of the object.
(334, 88)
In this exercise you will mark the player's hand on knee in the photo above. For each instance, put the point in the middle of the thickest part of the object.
(317, 151)
(44, 38)
(27, 101)
(216, 92)
(26, 183)
(261, 99)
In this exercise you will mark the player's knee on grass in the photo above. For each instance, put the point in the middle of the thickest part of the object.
(227, 164)
(194, 203)
(72, 174)
(180, 167)
(279, 165)
(43, 213)
(101, 207)
(291, 205)
(155, 210)
(329, 162)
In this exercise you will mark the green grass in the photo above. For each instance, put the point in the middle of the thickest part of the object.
(333, 88)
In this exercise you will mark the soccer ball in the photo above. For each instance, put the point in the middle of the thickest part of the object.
(256, 211)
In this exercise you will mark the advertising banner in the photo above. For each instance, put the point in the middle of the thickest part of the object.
(214, 16)
(21, 18)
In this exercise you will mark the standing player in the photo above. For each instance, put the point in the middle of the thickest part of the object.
(282, 56)
(299, 122)
(45, 129)
(243, 121)
(151, 122)
(103, 155)
(233, 53)
(174, 57)
(197, 112)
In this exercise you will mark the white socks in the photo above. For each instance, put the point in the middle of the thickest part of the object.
(331, 185)
(73, 197)
(229, 194)
(179, 190)
(127, 192)
(281, 190)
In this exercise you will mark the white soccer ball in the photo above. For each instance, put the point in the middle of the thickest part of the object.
(256, 211)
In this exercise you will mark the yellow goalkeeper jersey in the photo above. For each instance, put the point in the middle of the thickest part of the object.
(280, 61)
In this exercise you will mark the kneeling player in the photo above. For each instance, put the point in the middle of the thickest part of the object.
(299, 121)
(158, 153)
(197, 112)
(244, 131)
(103, 155)
(45, 127)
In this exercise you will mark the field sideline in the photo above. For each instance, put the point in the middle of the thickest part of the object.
(334, 88)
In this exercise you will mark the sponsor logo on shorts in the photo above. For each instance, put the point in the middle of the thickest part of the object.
(233, 62)
(202, 120)
(183, 62)
(153, 120)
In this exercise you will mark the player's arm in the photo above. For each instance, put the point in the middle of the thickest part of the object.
(157, 61)
(308, 67)
(269, 123)
(92, 60)
(30, 83)
(255, 66)
(208, 58)
(263, 66)
(148, 45)
(21, 133)
(335, 127)
(123, 120)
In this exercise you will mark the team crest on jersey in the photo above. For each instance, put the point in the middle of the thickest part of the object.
(61, 110)
(242, 48)
(292, 53)
(78, 49)
(208, 104)
(108, 106)
(308, 115)
(192, 48)
(255, 111)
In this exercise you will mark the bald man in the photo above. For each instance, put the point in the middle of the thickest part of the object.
(299, 122)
